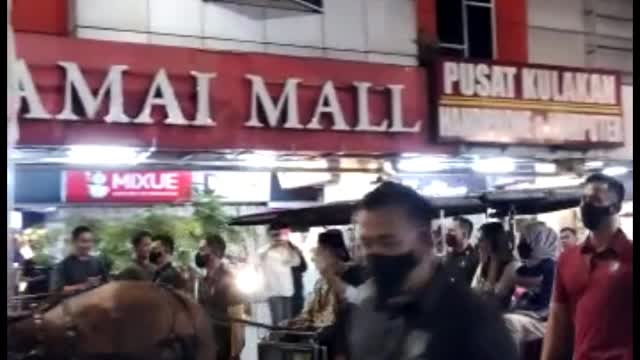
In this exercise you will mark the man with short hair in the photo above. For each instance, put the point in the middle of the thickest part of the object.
(593, 294)
(141, 268)
(161, 253)
(80, 270)
(415, 311)
(568, 238)
(219, 296)
(462, 259)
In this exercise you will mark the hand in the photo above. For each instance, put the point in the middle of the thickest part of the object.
(75, 288)
(493, 272)
(483, 256)
(420, 275)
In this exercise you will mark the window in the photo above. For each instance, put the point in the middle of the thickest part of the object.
(298, 5)
(466, 28)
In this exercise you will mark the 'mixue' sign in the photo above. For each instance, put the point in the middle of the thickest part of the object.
(128, 186)
(499, 103)
(100, 92)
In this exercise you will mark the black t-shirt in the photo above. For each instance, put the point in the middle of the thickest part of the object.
(462, 266)
(442, 321)
(168, 275)
(74, 271)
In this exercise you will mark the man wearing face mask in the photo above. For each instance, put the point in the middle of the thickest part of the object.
(461, 260)
(593, 291)
(415, 311)
(141, 268)
(160, 256)
(218, 295)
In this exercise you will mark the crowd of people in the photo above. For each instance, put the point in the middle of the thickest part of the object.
(401, 299)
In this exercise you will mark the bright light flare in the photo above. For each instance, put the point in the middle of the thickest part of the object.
(422, 164)
(500, 165)
(545, 168)
(248, 280)
(615, 170)
(104, 155)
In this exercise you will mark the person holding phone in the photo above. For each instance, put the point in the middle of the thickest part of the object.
(80, 270)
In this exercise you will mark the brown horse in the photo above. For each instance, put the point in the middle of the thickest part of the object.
(119, 320)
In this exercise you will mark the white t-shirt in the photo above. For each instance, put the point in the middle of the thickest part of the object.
(276, 265)
(355, 295)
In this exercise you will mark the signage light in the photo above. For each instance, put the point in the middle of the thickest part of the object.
(501, 165)
(104, 155)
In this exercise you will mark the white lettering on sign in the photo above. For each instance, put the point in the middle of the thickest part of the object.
(264, 113)
(112, 84)
(513, 126)
(273, 112)
(528, 83)
(364, 120)
(27, 91)
(146, 181)
(568, 86)
(479, 80)
(328, 103)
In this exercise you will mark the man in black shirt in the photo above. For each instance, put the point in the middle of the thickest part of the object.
(160, 256)
(80, 270)
(461, 261)
(415, 311)
(141, 268)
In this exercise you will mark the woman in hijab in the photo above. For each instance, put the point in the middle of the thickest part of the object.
(537, 250)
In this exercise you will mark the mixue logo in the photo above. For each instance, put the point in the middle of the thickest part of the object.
(101, 185)
(97, 183)
(145, 181)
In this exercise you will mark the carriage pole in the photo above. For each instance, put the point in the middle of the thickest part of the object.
(12, 136)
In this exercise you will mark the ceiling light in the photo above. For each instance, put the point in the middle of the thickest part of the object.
(615, 170)
(500, 165)
(440, 188)
(259, 159)
(545, 168)
(594, 164)
(421, 164)
(104, 155)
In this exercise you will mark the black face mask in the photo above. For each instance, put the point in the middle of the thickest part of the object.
(524, 250)
(154, 256)
(451, 240)
(202, 260)
(594, 216)
(389, 274)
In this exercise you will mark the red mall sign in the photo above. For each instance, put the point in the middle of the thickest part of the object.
(93, 92)
(128, 186)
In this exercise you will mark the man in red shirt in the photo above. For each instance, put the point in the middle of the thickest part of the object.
(593, 296)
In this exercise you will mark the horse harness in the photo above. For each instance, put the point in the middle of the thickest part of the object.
(183, 348)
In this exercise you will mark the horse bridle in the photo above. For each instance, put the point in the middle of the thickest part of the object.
(70, 330)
